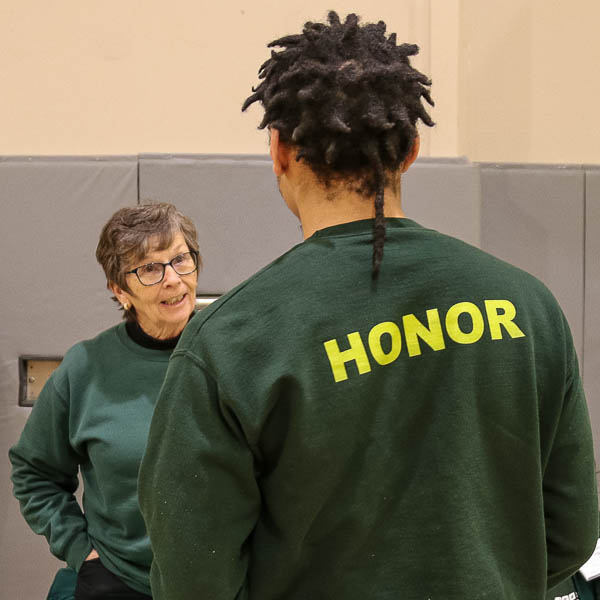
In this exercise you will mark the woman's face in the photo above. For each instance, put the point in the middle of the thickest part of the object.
(162, 309)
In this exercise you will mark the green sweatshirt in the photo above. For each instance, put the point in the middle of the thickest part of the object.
(93, 414)
(322, 436)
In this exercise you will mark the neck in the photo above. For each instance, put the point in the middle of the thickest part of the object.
(319, 207)
(162, 332)
(140, 337)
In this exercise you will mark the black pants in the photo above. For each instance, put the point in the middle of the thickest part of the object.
(96, 582)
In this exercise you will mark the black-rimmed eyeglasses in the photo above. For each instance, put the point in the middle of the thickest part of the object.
(153, 273)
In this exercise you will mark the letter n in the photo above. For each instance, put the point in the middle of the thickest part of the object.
(432, 334)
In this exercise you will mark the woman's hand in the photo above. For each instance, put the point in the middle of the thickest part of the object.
(92, 555)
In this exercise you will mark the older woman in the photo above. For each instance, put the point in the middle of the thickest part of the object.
(94, 412)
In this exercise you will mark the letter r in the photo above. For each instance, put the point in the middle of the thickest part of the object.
(502, 313)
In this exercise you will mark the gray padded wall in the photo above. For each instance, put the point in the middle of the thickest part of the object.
(53, 296)
(543, 219)
(444, 194)
(533, 217)
(591, 350)
(236, 198)
(243, 223)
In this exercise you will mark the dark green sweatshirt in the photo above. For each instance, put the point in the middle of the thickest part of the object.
(93, 414)
(322, 436)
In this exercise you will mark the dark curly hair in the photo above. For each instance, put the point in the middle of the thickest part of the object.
(345, 96)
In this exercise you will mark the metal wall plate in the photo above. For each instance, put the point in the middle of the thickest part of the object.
(34, 371)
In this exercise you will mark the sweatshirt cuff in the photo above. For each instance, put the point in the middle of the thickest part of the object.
(78, 551)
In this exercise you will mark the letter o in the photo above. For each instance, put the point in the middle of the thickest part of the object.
(385, 358)
(453, 328)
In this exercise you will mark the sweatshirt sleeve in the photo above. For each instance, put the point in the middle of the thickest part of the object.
(44, 476)
(569, 484)
(197, 479)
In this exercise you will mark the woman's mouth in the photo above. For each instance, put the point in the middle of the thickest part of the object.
(176, 300)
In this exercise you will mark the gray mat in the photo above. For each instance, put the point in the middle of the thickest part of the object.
(544, 219)
(534, 218)
(243, 223)
(53, 296)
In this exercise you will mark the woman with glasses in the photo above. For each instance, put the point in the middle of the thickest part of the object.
(94, 412)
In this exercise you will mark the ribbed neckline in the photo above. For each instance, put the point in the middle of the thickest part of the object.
(361, 227)
(152, 354)
(140, 337)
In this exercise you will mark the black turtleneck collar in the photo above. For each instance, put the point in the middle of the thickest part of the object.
(139, 336)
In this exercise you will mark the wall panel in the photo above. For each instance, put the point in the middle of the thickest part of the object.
(543, 219)
(444, 194)
(243, 223)
(533, 217)
(591, 353)
(53, 295)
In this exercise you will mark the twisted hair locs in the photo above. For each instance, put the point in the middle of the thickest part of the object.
(346, 97)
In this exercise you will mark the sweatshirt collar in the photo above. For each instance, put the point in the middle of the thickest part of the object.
(364, 226)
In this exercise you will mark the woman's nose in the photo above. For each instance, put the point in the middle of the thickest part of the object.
(171, 275)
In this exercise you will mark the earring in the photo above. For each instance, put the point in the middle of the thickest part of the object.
(126, 306)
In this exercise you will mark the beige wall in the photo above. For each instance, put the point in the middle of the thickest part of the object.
(529, 80)
(513, 79)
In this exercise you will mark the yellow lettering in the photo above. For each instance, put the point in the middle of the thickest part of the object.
(375, 334)
(453, 328)
(432, 334)
(505, 318)
(337, 358)
(500, 314)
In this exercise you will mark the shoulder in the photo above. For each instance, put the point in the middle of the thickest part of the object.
(251, 297)
(99, 343)
(484, 275)
(473, 263)
(80, 356)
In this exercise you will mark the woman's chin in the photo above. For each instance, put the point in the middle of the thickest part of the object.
(176, 316)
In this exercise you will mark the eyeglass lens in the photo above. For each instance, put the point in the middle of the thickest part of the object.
(183, 264)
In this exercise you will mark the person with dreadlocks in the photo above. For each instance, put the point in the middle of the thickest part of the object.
(382, 412)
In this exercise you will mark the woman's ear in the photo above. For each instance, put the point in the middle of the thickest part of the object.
(121, 295)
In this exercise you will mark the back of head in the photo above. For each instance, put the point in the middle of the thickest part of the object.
(345, 96)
